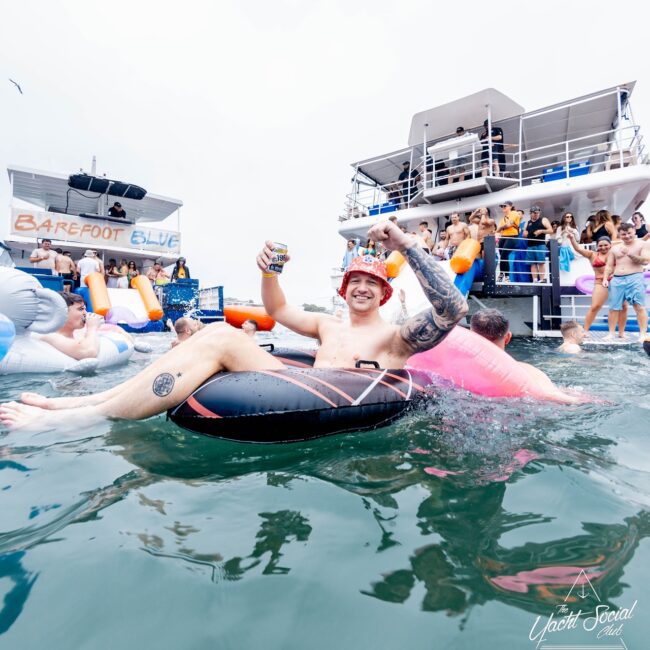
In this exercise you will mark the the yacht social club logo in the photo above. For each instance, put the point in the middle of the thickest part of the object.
(604, 622)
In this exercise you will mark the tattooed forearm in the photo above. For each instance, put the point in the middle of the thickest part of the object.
(428, 328)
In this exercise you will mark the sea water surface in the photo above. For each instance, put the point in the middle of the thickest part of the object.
(469, 523)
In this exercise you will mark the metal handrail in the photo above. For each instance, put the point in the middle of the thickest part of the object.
(524, 166)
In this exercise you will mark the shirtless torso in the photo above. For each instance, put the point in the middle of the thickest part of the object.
(486, 227)
(65, 265)
(629, 258)
(456, 233)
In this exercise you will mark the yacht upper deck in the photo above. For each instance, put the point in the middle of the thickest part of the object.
(573, 140)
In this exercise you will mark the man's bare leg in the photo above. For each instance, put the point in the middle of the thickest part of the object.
(163, 384)
(612, 319)
(642, 320)
(622, 321)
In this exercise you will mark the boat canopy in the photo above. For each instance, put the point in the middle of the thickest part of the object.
(52, 192)
(468, 112)
(539, 137)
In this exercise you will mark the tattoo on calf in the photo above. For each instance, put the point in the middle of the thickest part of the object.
(163, 384)
(426, 329)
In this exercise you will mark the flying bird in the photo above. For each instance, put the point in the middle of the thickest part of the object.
(20, 90)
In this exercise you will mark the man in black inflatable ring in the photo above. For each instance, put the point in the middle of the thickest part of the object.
(219, 347)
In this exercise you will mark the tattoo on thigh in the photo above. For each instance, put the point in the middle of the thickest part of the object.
(163, 384)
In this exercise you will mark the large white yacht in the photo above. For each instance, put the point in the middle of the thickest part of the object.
(581, 155)
(73, 210)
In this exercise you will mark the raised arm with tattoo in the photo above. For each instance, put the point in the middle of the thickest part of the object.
(426, 329)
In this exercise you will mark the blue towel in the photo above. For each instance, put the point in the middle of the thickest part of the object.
(566, 257)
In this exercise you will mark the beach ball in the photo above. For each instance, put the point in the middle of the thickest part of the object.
(7, 335)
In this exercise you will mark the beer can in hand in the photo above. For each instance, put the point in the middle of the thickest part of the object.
(279, 257)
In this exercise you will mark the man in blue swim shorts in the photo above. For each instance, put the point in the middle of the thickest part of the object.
(535, 232)
(628, 283)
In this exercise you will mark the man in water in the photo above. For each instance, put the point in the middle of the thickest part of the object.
(249, 326)
(184, 328)
(365, 335)
(492, 325)
(573, 334)
(627, 262)
(68, 339)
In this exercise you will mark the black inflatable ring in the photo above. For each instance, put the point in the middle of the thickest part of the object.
(297, 403)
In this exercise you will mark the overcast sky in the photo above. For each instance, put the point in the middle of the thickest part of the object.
(252, 111)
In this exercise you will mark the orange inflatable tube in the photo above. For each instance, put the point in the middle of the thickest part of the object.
(98, 293)
(464, 257)
(149, 299)
(237, 314)
(394, 263)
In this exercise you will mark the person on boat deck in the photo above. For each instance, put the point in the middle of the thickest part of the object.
(69, 339)
(598, 260)
(492, 325)
(639, 225)
(586, 236)
(486, 226)
(67, 269)
(408, 179)
(440, 250)
(508, 231)
(116, 210)
(351, 251)
(132, 272)
(457, 232)
(250, 327)
(112, 273)
(370, 248)
(425, 235)
(44, 257)
(219, 347)
(573, 335)
(535, 232)
(498, 154)
(88, 264)
(564, 233)
(457, 163)
(158, 275)
(602, 226)
(180, 272)
(627, 262)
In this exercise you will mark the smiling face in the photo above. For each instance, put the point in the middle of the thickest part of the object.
(364, 292)
(603, 246)
(627, 235)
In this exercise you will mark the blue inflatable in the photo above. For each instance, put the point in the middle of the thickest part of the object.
(7, 335)
(464, 281)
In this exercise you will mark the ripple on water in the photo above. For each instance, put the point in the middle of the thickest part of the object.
(463, 507)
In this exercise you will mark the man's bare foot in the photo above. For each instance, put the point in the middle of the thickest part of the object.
(56, 403)
(609, 337)
(21, 416)
(14, 415)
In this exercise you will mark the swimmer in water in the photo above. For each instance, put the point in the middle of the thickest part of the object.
(494, 326)
(250, 327)
(573, 335)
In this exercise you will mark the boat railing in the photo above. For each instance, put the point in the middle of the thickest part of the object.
(557, 160)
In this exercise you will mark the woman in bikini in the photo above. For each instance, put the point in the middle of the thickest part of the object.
(598, 259)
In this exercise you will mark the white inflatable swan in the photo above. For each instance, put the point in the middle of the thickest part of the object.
(35, 310)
